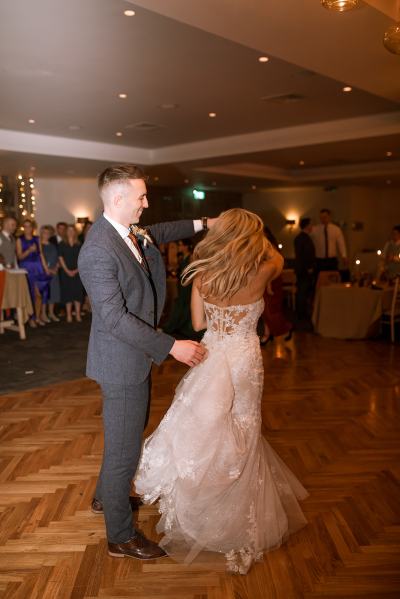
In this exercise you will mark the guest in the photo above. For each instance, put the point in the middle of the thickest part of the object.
(50, 256)
(61, 229)
(86, 307)
(71, 286)
(180, 320)
(276, 325)
(7, 242)
(30, 257)
(391, 254)
(305, 269)
(329, 243)
(86, 228)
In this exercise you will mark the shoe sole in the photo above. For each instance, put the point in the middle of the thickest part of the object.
(141, 559)
(98, 513)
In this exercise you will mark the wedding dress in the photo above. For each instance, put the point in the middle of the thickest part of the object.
(221, 486)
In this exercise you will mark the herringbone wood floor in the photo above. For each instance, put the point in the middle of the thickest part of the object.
(331, 410)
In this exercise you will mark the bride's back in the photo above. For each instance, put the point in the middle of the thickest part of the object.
(251, 292)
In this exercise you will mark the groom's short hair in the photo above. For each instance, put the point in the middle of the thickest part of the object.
(120, 173)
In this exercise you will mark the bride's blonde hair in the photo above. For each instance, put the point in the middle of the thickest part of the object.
(231, 250)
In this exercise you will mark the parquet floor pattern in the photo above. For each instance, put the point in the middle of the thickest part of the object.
(331, 410)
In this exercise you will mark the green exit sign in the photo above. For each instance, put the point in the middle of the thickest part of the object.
(198, 195)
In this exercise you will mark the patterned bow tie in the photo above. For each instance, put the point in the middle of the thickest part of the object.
(141, 233)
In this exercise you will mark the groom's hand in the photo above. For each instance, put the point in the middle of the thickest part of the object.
(211, 222)
(188, 352)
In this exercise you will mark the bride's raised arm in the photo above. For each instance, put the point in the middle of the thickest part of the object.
(197, 309)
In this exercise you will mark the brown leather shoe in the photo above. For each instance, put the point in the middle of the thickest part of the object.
(97, 505)
(137, 547)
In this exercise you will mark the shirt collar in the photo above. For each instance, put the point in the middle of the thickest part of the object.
(6, 234)
(121, 229)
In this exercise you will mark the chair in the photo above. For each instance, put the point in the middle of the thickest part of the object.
(328, 277)
(289, 285)
(392, 316)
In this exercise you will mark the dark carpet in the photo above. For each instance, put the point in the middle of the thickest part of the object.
(50, 354)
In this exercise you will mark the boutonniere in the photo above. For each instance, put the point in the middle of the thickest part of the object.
(141, 232)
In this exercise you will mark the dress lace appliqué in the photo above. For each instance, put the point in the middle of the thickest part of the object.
(221, 487)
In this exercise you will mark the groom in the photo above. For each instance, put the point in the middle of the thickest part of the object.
(124, 276)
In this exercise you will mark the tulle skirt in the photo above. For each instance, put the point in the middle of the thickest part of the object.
(220, 485)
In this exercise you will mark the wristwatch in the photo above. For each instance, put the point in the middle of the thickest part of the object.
(204, 220)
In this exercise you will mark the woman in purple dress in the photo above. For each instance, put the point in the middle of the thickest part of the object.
(30, 258)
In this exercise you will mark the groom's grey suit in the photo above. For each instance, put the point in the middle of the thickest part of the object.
(127, 303)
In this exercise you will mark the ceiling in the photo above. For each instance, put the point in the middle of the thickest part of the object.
(64, 64)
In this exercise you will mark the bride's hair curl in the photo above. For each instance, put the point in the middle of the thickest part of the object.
(231, 250)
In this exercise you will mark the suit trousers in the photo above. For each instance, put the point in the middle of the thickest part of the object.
(125, 412)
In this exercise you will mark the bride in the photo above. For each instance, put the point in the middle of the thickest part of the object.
(221, 486)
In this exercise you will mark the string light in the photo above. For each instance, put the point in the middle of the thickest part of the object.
(26, 199)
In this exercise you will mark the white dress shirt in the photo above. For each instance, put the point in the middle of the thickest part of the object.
(336, 243)
(124, 232)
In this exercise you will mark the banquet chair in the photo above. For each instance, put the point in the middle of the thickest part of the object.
(289, 285)
(392, 316)
(328, 277)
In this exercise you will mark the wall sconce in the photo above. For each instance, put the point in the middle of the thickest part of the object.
(82, 220)
(290, 222)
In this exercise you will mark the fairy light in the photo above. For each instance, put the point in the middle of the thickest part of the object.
(26, 199)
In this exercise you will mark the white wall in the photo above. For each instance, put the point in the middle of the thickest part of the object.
(66, 200)
(377, 208)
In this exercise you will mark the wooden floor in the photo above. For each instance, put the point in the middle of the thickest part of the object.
(331, 410)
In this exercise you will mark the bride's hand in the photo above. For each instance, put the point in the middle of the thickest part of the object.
(188, 352)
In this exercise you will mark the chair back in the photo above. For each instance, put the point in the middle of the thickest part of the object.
(395, 307)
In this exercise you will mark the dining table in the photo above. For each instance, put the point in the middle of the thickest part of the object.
(347, 311)
(15, 295)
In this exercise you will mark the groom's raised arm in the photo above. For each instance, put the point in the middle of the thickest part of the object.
(98, 272)
(178, 229)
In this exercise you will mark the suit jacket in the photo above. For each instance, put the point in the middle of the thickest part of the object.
(126, 302)
(7, 249)
(305, 253)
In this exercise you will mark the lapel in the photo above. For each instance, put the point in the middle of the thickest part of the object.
(122, 246)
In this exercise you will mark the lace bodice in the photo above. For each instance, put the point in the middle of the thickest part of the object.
(233, 320)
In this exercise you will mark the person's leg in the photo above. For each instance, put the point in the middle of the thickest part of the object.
(124, 414)
(68, 307)
(43, 315)
(301, 296)
(52, 315)
(78, 311)
(38, 306)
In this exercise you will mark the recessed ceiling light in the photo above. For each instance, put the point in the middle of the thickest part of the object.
(129, 13)
(31, 121)
(212, 115)
(347, 89)
(254, 187)
(388, 182)
(186, 181)
(214, 183)
(389, 154)
(168, 106)
(123, 96)
(302, 163)
(119, 134)
(263, 59)
(156, 178)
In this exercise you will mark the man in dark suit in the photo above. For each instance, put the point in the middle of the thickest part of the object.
(61, 232)
(123, 272)
(305, 269)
